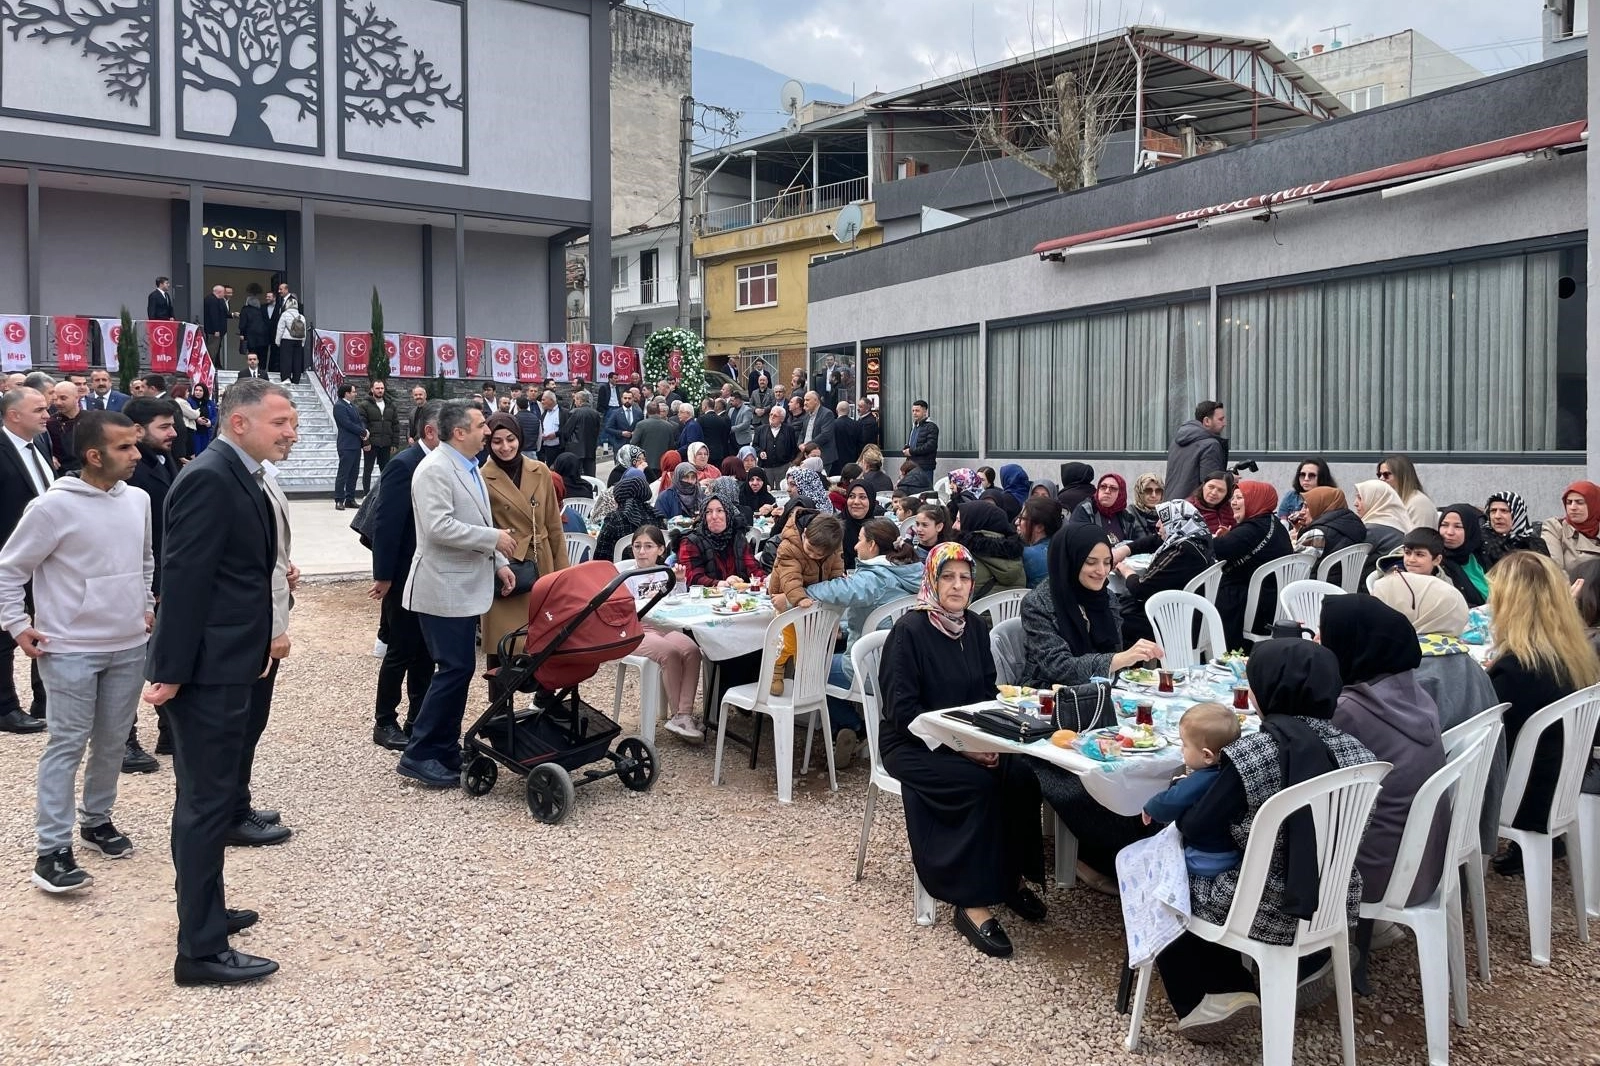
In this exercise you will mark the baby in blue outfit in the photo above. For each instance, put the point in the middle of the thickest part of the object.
(1205, 729)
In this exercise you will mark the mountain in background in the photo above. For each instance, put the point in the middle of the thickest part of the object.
(747, 86)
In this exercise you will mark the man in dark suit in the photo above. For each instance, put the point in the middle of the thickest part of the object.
(253, 368)
(621, 419)
(581, 430)
(155, 419)
(816, 427)
(382, 416)
(24, 474)
(158, 305)
(717, 432)
(102, 397)
(846, 438)
(214, 321)
(212, 641)
(394, 541)
(867, 430)
(352, 438)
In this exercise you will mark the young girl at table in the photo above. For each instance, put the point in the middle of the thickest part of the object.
(808, 554)
(1208, 848)
(676, 653)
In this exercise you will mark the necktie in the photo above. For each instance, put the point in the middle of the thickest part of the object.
(41, 468)
(99, 403)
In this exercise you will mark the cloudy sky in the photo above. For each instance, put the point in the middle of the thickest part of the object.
(890, 44)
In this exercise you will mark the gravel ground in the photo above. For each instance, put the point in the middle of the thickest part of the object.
(687, 924)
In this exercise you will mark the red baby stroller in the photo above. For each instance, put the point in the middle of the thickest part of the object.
(579, 619)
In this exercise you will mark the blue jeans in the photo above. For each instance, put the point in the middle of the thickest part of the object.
(842, 713)
(436, 734)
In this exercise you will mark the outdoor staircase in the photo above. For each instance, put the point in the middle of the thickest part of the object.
(314, 460)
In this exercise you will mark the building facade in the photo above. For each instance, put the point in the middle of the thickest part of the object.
(644, 284)
(338, 145)
(1445, 319)
(1382, 70)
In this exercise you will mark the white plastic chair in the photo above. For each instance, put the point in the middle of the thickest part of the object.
(942, 488)
(1577, 714)
(596, 484)
(1172, 615)
(1348, 561)
(580, 548)
(1340, 802)
(1441, 958)
(1589, 830)
(804, 694)
(1469, 858)
(1206, 582)
(1292, 567)
(580, 507)
(619, 553)
(1301, 601)
(889, 612)
(1007, 603)
(865, 655)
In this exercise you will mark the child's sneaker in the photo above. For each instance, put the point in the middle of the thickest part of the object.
(105, 839)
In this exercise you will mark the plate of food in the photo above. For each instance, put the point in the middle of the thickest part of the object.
(742, 605)
(1132, 739)
(1012, 695)
(1139, 676)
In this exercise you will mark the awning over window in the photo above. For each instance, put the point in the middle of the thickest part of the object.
(1553, 138)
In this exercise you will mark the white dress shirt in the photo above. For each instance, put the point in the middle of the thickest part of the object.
(35, 462)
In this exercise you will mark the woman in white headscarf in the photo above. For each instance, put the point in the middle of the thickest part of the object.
(1182, 547)
(1385, 517)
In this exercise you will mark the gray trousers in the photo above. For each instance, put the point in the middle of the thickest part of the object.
(93, 696)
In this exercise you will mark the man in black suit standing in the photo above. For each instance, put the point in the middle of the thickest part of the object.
(581, 430)
(394, 541)
(816, 427)
(220, 548)
(215, 323)
(102, 397)
(156, 421)
(717, 433)
(352, 438)
(24, 474)
(158, 305)
(253, 368)
(867, 429)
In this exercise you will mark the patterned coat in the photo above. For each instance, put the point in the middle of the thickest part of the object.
(1254, 756)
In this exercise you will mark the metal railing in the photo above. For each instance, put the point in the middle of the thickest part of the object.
(791, 204)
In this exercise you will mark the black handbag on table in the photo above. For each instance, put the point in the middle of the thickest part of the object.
(1081, 708)
(1012, 725)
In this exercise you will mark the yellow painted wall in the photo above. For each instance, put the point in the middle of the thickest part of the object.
(791, 242)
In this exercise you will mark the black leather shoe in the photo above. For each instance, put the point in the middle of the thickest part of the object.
(36, 710)
(17, 722)
(1026, 904)
(225, 968)
(267, 815)
(135, 760)
(251, 832)
(240, 920)
(988, 938)
(388, 735)
(338, 505)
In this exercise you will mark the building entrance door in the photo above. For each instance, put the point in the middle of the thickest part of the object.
(246, 284)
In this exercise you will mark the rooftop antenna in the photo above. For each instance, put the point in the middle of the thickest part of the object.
(791, 98)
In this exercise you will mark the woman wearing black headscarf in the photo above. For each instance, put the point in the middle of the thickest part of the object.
(633, 509)
(1461, 529)
(1009, 505)
(754, 496)
(1077, 485)
(1384, 706)
(1295, 685)
(571, 472)
(860, 507)
(1072, 631)
(992, 539)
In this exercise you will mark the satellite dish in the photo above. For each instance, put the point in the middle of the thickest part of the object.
(848, 224)
(791, 96)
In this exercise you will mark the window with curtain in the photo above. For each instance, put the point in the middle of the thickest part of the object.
(1142, 370)
(941, 370)
(1460, 357)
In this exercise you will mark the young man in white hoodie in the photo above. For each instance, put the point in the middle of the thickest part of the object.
(86, 546)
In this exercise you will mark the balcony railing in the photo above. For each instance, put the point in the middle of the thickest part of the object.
(791, 204)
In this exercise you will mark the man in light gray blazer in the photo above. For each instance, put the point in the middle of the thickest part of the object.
(459, 556)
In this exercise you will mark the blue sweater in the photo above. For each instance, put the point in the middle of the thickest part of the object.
(1206, 853)
(871, 585)
(1036, 562)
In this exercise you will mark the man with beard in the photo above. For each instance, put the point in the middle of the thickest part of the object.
(155, 420)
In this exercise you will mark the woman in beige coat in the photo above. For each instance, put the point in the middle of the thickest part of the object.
(523, 500)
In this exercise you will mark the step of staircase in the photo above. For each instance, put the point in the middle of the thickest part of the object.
(314, 461)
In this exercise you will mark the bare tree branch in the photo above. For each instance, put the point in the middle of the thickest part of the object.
(116, 33)
(386, 80)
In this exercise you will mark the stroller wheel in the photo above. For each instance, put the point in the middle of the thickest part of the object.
(642, 774)
(479, 776)
(550, 793)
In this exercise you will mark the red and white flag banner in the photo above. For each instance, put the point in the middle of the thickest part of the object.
(530, 362)
(627, 360)
(580, 361)
(474, 356)
(325, 355)
(444, 357)
(605, 361)
(504, 360)
(110, 334)
(194, 360)
(353, 349)
(16, 347)
(555, 362)
(391, 348)
(413, 355)
(72, 344)
(161, 340)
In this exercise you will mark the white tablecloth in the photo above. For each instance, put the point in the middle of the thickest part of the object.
(720, 636)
